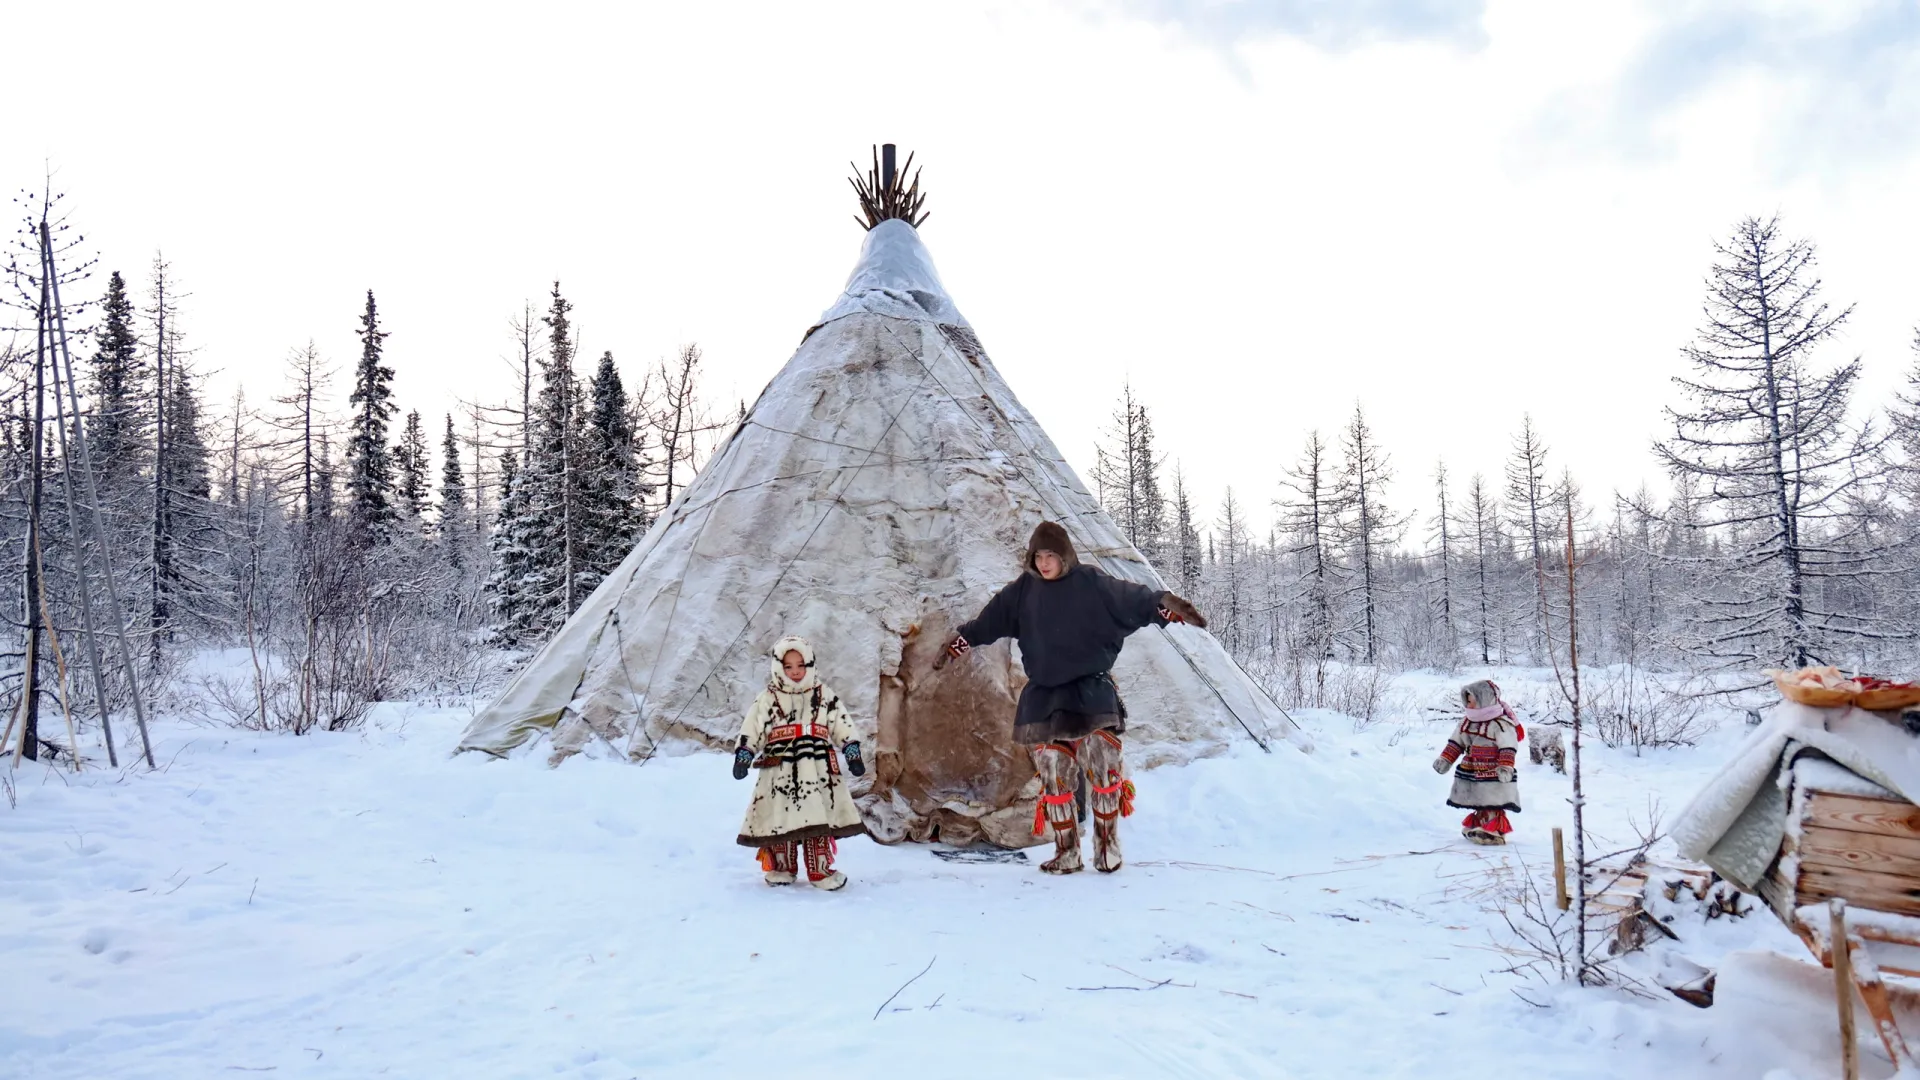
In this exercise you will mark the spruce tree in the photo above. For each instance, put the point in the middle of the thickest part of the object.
(188, 467)
(410, 459)
(454, 517)
(1152, 520)
(558, 526)
(370, 508)
(507, 585)
(324, 485)
(118, 421)
(614, 475)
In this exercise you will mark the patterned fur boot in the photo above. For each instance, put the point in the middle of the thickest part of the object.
(820, 869)
(779, 861)
(1066, 859)
(1057, 767)
(1111, 796)
(1106, 846)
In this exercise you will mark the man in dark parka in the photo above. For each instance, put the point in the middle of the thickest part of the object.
(1071, 621)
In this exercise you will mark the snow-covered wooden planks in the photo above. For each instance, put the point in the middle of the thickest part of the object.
(1862, 850)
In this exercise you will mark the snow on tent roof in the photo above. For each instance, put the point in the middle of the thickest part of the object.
(879, 491)
(895, 276)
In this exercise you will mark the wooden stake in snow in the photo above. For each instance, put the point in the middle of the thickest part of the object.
(1560, 898)
(1843, 988)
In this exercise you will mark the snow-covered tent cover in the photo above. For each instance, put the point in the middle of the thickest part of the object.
(1737, 822)
(881, 488)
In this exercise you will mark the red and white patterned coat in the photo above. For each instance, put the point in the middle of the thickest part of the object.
(1485, 776)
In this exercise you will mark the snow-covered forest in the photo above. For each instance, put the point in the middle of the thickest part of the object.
(1785, 533)
(1323, 540)
(356, 554)
(361, 555)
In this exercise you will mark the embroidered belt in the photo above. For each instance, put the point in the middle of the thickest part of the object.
(783, 732)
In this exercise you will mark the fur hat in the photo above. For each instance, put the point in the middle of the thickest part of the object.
(1049, 536)
(793, 643)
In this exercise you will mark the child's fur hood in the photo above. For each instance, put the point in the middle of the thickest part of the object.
(780, 682)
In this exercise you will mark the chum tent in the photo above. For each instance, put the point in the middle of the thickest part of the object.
(879, 491)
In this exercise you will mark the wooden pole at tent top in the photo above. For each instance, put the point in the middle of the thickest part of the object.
(888, 188)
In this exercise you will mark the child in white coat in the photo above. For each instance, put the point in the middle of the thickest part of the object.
(800, 800)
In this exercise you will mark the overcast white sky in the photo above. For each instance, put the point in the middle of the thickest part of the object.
(1452, 212)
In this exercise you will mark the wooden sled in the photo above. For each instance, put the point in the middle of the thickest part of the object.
(1864, 852)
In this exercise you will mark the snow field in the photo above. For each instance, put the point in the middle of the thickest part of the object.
(361, 905)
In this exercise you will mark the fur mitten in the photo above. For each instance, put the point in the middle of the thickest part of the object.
(1176, 609)
(1441, 764)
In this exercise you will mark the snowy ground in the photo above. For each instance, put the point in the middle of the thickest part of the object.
(362, 905)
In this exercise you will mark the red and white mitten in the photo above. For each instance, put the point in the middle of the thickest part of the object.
(953, 650)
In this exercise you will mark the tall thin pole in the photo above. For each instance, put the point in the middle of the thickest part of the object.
(79, 549)
(160, 612)
(30, 681)
(114, 609)
(1579, 796)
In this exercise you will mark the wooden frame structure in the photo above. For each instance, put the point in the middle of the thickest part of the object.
(1849, 869)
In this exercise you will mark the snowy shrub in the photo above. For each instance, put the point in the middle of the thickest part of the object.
(1356, 690)
(1634, 709)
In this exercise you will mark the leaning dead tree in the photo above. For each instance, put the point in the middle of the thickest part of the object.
(53, 378)
(886, 193)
